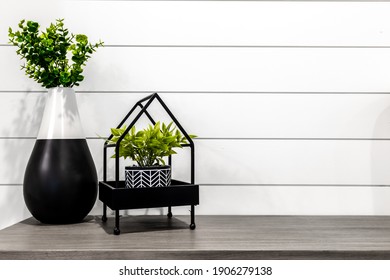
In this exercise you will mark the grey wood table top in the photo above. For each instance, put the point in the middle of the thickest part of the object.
(216, 237)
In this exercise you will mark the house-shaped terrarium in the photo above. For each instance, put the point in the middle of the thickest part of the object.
(129, 194)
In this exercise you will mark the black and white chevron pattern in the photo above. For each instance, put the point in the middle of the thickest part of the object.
(148, 178)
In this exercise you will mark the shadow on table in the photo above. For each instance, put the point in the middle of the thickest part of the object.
(133, 224)
(128, 224)
(34, 222)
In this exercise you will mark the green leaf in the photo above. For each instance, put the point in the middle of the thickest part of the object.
(80, 38)
(116, 132)
(80, 78)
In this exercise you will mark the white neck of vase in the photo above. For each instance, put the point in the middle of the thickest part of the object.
(61, 119)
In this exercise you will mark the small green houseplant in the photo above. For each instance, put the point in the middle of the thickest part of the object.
(148, 148)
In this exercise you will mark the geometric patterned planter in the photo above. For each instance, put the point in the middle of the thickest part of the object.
(147, 177)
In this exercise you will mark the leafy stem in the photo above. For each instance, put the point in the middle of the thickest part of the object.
(47, 53)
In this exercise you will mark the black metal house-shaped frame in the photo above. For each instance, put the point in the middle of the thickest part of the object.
(114, 194)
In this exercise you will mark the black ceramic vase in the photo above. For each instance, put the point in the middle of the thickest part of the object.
(60, 182)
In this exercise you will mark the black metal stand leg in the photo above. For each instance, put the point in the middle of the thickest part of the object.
(116, 228)
(104, 217)
(169, 215)
(192, 225)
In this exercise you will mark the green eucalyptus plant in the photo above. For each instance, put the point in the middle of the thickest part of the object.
(55, 57)
(148, 147)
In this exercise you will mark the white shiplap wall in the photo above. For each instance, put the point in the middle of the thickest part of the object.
(290, 100)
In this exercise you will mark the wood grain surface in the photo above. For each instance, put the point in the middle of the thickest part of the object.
(216, 237)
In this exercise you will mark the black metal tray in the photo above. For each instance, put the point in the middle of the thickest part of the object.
(119, 198)
(177, 194)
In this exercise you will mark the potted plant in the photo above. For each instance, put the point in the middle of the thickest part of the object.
(148, 148)
(60, 181)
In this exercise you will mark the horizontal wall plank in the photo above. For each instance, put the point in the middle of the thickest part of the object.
(219, 115)
(293, 162)
(222, 22)
(279, 200)
(244, 200)
(271, 200)
(12, 207)
(259, 162)
(222, 69)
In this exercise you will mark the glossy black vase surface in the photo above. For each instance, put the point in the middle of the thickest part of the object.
(60, 182)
